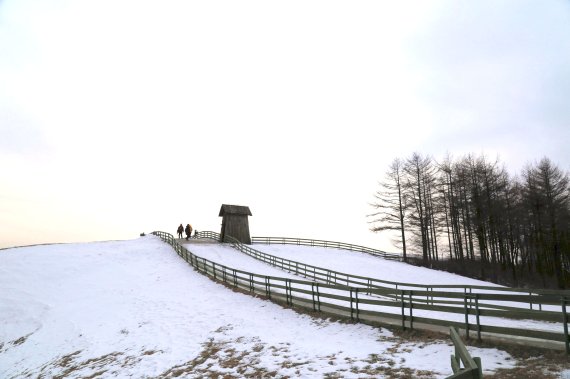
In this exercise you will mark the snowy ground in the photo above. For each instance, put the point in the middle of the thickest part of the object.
(136, 309)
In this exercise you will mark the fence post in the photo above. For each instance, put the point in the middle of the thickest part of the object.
(351, 317)
(565, 321)
(472, 367)
(287, 291)
(318, 297)
(530, 301)
(251, 287)
(313, 296)
(477, 316)
(466, 316)
(356, 298)
(290, 293)
(403, 313)
(267, 287)
(479, 367)
(411, 312)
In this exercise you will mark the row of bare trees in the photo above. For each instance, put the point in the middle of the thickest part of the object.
(471, 210)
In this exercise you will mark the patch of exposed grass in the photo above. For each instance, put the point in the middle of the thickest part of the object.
(151, 352)
(217, 353)
(69, 365)
(95, 374)
(20, 340)
(532, 364)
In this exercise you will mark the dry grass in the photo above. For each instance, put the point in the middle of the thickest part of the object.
(532, 363)
(218, 354)
(71, 365)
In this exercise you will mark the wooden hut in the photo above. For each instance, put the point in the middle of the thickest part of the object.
(235, 223)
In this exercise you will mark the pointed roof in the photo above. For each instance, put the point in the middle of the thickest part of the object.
(234, 209)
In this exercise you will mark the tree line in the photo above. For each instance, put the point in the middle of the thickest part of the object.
(473, 213)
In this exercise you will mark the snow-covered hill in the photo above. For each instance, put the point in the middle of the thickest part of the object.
(136, 309)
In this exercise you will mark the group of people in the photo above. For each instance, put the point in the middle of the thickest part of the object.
(187, 230)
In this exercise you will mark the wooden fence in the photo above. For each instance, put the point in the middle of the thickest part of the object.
(463, 365)
(410, 308)
(322, 243)
(335, 277)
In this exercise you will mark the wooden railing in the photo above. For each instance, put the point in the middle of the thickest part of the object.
(463, 365)
(322, 243)
(328, 276)
(389, 305)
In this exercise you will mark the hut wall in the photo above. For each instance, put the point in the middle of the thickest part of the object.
(237, 226)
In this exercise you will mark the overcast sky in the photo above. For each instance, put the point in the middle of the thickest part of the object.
(118, 117)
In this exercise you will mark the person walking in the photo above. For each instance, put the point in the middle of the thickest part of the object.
(180, 230)
(188, 231)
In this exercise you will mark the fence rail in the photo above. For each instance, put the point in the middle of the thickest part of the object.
(335, 277)
(389, 305)
(385, 255)
(472, 368)
(322, 243)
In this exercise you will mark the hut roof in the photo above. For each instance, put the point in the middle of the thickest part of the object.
(234, 209)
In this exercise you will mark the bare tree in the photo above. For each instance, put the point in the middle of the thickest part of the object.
(420, 174)
(547, 200)
(390, 205)
(445, 187)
